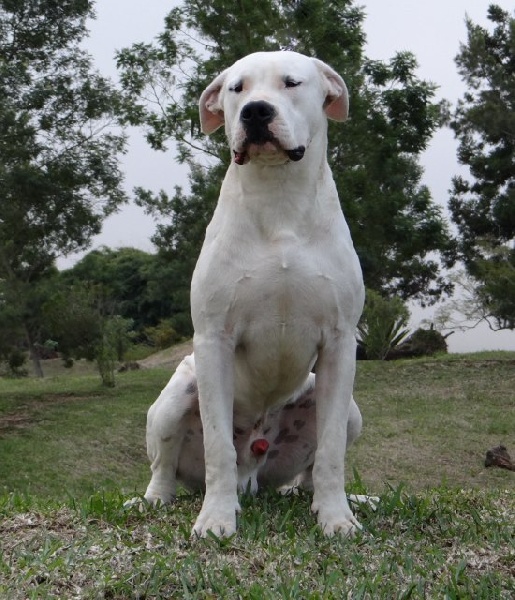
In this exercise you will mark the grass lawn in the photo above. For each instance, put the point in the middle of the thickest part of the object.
(71, 452)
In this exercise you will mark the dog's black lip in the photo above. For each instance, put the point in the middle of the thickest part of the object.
(241, 156)
(296, 154)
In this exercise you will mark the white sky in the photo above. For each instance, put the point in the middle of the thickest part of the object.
(431, 30)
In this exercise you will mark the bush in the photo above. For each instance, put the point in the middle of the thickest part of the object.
(422, 342)
(15, 361)
(163, 335)
(116, 338)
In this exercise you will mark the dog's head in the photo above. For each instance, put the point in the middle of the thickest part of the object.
(272, 105)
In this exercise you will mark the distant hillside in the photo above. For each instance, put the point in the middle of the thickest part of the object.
(169, 357)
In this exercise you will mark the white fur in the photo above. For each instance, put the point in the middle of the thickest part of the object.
(278, 286)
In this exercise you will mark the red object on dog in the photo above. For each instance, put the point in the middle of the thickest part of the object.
(259, 447)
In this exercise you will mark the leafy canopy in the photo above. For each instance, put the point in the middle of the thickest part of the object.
(483, 205)
(59, 149)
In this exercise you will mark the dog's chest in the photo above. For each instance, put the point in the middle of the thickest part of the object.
(284, 285)
(276, 298)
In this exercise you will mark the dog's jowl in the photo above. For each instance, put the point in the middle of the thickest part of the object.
(277, 290)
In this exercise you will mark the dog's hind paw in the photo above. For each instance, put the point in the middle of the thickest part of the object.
(360, 499)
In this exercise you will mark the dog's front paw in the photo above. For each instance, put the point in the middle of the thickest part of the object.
(217, 517)
(157, 500)
(336, 518)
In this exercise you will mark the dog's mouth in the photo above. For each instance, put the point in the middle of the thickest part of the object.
(270, 147)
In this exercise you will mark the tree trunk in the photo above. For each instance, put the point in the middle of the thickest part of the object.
(36, 363)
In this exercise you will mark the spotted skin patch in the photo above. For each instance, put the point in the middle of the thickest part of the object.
(286, 437)
(191, 388)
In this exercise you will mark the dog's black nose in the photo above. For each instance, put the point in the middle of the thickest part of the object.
(257, 113)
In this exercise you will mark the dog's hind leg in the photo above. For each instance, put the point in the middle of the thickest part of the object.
(304, 479)
(167, 429)
(354, 423)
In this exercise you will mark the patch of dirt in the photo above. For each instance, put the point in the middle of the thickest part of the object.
(15, 421)
(29, 413)
(168, 358)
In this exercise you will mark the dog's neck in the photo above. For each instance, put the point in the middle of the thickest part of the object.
(288, 199)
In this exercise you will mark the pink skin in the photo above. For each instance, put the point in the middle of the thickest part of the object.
(259, 447)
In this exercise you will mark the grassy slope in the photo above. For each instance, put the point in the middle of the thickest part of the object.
(427, 423)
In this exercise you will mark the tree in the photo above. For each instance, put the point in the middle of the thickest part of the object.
(133, 284)
(58, 147)
(483, 205)
(77, 320)
(121, 277)
(396, 227)
(474, 304)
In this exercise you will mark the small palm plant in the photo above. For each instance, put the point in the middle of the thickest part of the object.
(383, 325)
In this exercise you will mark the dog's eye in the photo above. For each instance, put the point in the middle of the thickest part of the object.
(291, 83)
(237, 88)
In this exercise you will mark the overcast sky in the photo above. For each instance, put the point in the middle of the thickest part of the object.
(431, 30)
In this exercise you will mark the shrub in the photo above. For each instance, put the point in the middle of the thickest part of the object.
(15, 361)
(422, 342)
(163, 335)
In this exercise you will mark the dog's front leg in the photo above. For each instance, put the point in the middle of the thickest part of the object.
(215, 375)
(335, 371)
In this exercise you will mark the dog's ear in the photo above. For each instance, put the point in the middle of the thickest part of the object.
(336, 105)
(211, 113)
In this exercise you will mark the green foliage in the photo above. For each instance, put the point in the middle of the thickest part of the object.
(397, 229)
(121, 277)
(58, 147)
(112, 344)
(119, 333)
(382, 326)
(74, 317)
(145, 288)
(422, 342)
(163, 335)
(496, 291)
(83, 328)
(16, 360)
(483, 206)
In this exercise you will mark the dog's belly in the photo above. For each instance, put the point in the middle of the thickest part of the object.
(271, 365)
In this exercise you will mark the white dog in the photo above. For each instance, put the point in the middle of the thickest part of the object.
(277, 289)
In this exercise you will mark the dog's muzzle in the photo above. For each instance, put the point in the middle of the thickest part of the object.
(255, 117)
